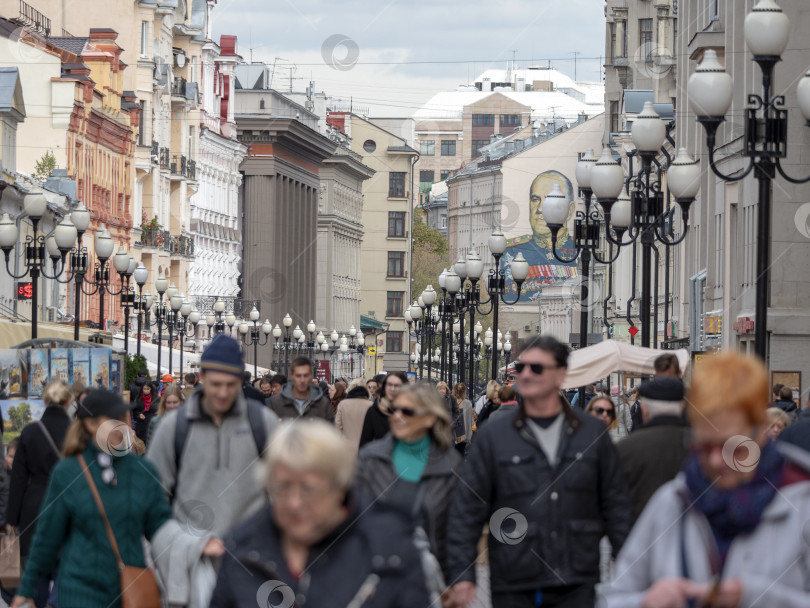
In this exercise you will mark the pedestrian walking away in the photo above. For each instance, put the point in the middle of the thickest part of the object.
(351, 412)
(553, 472)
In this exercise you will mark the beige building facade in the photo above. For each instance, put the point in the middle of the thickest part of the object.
(717, 279)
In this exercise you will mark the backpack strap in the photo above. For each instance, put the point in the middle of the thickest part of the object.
(181, 429)
(256, 422)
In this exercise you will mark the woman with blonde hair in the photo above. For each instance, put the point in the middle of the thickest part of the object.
(415, 468)
(601, 406)
(319, 542)
(777, 421)
(37, 453)
(491, 402)
(171, 399)
(727, 531)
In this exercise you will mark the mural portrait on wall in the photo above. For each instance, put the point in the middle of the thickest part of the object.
(544, 268)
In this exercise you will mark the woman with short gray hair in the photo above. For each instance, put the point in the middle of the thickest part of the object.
(318, 543)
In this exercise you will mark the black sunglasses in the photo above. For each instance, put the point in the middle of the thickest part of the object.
(408, 412)
(537, 368)
(600, 410)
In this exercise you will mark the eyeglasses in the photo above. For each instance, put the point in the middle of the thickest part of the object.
(108, 475)
(601, 410)
(407, 412)
(537, 368)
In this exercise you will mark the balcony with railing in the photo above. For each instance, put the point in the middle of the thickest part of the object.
(154, 154)
(31, 17)
(164, 158)
(183, 91)
(183, 167)
(182, 245)
(155, 238)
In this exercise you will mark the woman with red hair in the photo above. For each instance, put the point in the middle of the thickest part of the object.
(731, 529)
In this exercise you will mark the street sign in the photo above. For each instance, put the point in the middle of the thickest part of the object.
(372, 350)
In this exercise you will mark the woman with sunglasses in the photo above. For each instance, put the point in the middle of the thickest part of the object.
(415, 468)
(602, 407)
(731, 528)
(70, 525)
(375, 424)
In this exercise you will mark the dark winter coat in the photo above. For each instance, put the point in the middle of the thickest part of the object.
(317, 404)
(375, 426)
(142, 426)
(373, 540)
(786, 406)
(251, 392)
(567, 507)
(652, 456)
(377, 476)
(33, 462)
(70, 528)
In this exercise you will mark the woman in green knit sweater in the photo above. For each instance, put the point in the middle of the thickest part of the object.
(70, 522)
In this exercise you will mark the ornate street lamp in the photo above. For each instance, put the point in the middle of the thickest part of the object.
(255, 340)
(710, 91)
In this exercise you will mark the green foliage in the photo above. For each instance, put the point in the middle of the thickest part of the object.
(132, 365)
(45, 166)
(19, 416)
(431, 255)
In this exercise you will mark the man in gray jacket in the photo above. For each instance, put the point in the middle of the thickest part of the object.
(300, 398)
(207, 450)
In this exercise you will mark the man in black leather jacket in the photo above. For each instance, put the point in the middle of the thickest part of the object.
(547, 480)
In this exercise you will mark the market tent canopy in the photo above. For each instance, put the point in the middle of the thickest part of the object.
(588, 365)
(13, 332)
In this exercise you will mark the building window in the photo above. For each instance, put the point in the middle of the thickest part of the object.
(477, 144)
(396, 264)
(393, 307)
(510, 120)
(426, 179)
(612, 38)
(144, 38)
(396, 224)
(427, 147)
(614, 116)
(448, 147)
(443, 222)
(369, 145)
(645, 37)
(444, 174)
(393, 342)
(483, 120)
(396, 184)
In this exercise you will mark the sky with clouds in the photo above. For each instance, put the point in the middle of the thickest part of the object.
(393, 55)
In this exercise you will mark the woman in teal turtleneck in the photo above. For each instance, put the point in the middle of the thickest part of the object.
(413, 466)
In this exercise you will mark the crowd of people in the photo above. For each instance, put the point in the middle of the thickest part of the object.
(288, 492)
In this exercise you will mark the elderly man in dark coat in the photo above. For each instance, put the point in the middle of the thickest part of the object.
(655, 453)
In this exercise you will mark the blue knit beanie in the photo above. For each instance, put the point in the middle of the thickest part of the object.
(223, 354)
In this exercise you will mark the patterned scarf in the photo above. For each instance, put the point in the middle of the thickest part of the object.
(739, 510)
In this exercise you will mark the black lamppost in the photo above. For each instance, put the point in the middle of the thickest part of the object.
(101, 282)
(411, 355)
(468, 299)
(161, 286)
(64, 238)
(643, 215)
(141, 274)
(287, 322)
(173, 320)
(78, 262)
(710, 89)
(255, 340)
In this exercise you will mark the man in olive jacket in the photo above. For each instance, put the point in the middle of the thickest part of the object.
(299, 398)
(547, 481)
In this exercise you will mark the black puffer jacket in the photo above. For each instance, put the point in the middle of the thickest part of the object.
(377, 477)
(373, 540)
(567, 508)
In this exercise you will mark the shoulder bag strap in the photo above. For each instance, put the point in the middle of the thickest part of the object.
(100, 506)
(45, 432)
